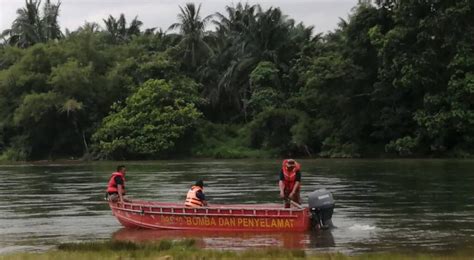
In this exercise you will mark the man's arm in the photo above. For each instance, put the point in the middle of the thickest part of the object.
(120, 192)
(297, 184)
(281, 184)
(202, 197)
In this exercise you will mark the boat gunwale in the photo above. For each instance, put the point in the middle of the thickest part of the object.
(302, 209)
(205, 214)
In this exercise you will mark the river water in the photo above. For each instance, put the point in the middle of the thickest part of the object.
(382, 205)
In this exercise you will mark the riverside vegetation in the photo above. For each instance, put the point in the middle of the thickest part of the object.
(394, 79)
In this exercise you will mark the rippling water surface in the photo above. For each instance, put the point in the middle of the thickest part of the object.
(382, 205)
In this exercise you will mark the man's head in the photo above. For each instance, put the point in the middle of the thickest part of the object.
(290, 164)
(121, 168)
(199, 183)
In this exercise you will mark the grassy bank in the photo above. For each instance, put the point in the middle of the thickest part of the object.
(186, 249)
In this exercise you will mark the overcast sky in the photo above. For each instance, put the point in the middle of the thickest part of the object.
(322, 14)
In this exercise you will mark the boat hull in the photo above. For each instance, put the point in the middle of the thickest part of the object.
(155, 215)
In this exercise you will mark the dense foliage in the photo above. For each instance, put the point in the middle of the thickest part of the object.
(152, 120)
(395, 79)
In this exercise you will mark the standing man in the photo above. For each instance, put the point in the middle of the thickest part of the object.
(195, 197)
(116, 186)
(290, 181)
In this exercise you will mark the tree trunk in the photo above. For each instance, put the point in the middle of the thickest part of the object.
(86, 147)
(307, 150)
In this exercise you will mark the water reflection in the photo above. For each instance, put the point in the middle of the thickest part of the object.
(220, 240)
(321, 239)
(233, 240)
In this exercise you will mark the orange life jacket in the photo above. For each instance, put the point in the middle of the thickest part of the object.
(191, 199)
(289, 176)
(112, 186)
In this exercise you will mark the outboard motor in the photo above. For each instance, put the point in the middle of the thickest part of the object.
(321, 205)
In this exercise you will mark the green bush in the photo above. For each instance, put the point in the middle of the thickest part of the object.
(18, 151)
(332, 147)
(403, 146)
(151, 121)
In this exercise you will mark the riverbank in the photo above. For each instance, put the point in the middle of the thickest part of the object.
(187, 249)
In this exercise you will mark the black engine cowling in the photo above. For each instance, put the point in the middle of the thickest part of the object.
(321, 204)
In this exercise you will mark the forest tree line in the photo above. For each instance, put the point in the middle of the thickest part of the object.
(396, 78)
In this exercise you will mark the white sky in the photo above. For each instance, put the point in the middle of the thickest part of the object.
(322, 14)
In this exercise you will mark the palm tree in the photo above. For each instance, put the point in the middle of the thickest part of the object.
(134, 27)
(91, 27)
(192, 27)
(30, 28)
(111, 26)
(50, 26)
(118, 30)
(253, 36)
(222, 74)
(251, 31)
(237, 17)
(72, 108)
(24, 32)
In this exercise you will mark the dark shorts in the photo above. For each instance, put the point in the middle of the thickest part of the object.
(113, 196)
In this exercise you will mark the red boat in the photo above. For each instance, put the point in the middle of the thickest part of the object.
(263, 217)
(157, 215)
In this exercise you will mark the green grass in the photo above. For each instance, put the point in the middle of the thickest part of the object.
(186, 249)
(165, 249)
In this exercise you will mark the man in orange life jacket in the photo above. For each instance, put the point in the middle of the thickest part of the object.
(116, 186)
(195, 197)
(290, 181)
